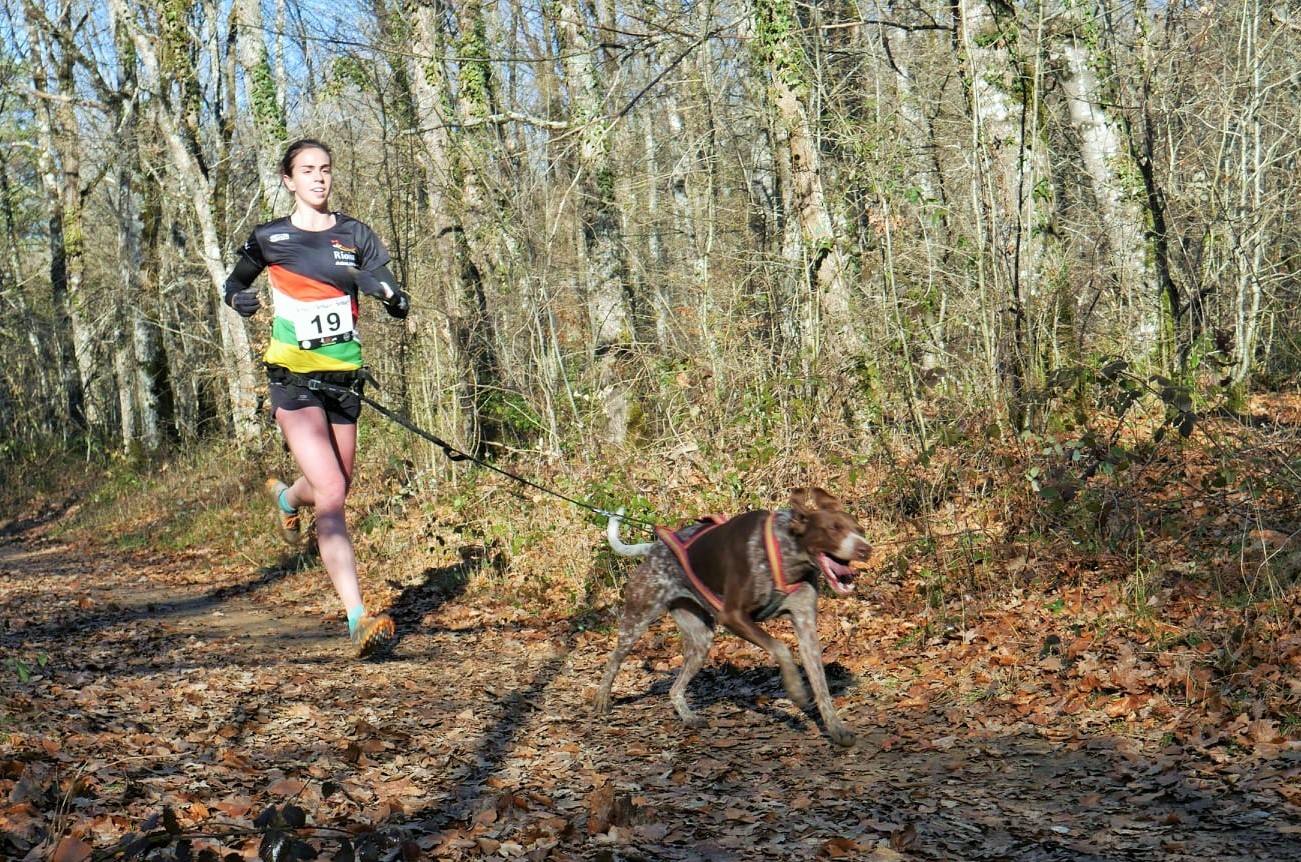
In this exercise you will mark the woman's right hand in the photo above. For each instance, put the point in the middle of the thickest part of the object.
(245, 302)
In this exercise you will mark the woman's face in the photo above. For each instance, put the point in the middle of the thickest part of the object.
(309, 179)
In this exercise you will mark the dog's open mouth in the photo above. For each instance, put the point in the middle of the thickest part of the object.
(839, 576)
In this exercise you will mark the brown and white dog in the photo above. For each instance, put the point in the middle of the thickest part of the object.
(738, 572)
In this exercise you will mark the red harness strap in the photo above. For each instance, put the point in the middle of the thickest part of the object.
(681, 549)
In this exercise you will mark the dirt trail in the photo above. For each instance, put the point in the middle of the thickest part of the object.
(216, 689)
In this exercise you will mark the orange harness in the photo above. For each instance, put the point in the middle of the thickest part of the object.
(682, 550)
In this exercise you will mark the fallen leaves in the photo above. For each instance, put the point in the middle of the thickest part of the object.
(71, 849)
(476, 740)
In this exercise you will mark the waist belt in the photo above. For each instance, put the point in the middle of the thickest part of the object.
(333, 381)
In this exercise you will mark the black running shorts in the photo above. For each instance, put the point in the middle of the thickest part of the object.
(290, 392)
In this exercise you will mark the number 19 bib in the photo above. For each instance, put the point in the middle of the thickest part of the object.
(317, 322)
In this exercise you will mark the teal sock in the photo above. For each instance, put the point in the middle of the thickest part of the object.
(354, 617)
(285, 507)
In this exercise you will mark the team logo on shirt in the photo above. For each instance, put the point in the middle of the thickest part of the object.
(279, 237)
(344, 255)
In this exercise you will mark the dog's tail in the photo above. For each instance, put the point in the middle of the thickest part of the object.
(612, 533)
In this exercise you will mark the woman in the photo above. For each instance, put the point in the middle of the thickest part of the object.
(317, 261)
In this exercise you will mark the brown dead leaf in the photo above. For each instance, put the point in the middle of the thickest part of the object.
(600, 802)
(884, 854)
(839, 848)
(1264, 730)
(71, 849)
(904, 838)
(287, 787)
(21, 821)
(236, 807)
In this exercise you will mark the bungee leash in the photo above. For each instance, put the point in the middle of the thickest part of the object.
(452, 453)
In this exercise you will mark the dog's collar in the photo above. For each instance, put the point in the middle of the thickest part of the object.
(774, 550)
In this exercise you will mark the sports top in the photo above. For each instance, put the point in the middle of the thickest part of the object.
(313, 290)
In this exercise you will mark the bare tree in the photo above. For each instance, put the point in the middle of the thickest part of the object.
(237, 354)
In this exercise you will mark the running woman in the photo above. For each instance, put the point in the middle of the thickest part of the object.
(318, 261)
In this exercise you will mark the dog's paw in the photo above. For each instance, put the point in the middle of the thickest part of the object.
(695, 721)
(601, 704)
(841, 736)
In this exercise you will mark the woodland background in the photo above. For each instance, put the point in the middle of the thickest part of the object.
(1018, 281)
(636, 221)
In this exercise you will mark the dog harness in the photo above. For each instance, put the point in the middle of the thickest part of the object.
(691, 555)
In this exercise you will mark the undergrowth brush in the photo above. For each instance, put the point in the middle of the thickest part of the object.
(1130, 525)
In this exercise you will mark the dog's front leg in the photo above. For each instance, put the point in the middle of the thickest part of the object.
(744, 625)
(803, 607)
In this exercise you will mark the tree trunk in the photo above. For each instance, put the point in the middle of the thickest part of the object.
(236, 353)
(1251, 221)
(43, 393)
(1104, 156)
(263, 102)
(153, 386)
(1008, 163)
(465, 201)
(824, 262)
(604, 268)
(61, 183)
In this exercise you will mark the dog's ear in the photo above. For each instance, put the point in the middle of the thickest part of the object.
(823, 500)
(803, 500)
(803, 504)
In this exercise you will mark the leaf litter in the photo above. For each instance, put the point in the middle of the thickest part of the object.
(170, 720)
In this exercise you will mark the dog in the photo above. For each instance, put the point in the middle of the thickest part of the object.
(738, 572)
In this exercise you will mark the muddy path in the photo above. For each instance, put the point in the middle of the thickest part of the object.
(215, 688)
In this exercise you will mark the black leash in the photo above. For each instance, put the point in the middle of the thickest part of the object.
(452, 453)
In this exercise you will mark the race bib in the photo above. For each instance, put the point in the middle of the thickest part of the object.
(317, 322)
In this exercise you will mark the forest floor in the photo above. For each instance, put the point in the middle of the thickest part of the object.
(133, 685)
(1118, 681)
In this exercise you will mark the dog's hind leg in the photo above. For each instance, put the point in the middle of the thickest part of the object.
(803, 608)
(697, 637)
(641, 608)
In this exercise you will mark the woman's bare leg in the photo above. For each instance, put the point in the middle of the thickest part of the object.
(325, 453)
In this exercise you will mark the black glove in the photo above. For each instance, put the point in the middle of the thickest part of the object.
(245, 302)
(398, 305)
(396, 302)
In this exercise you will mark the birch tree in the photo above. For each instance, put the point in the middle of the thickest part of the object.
(236, 349)
(264, 100)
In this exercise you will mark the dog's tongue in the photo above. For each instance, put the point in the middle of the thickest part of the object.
(838, 575)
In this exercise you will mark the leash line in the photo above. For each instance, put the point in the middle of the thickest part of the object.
(452, 453)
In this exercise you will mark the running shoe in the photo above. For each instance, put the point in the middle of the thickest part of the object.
(373, 635)
(288, 525)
